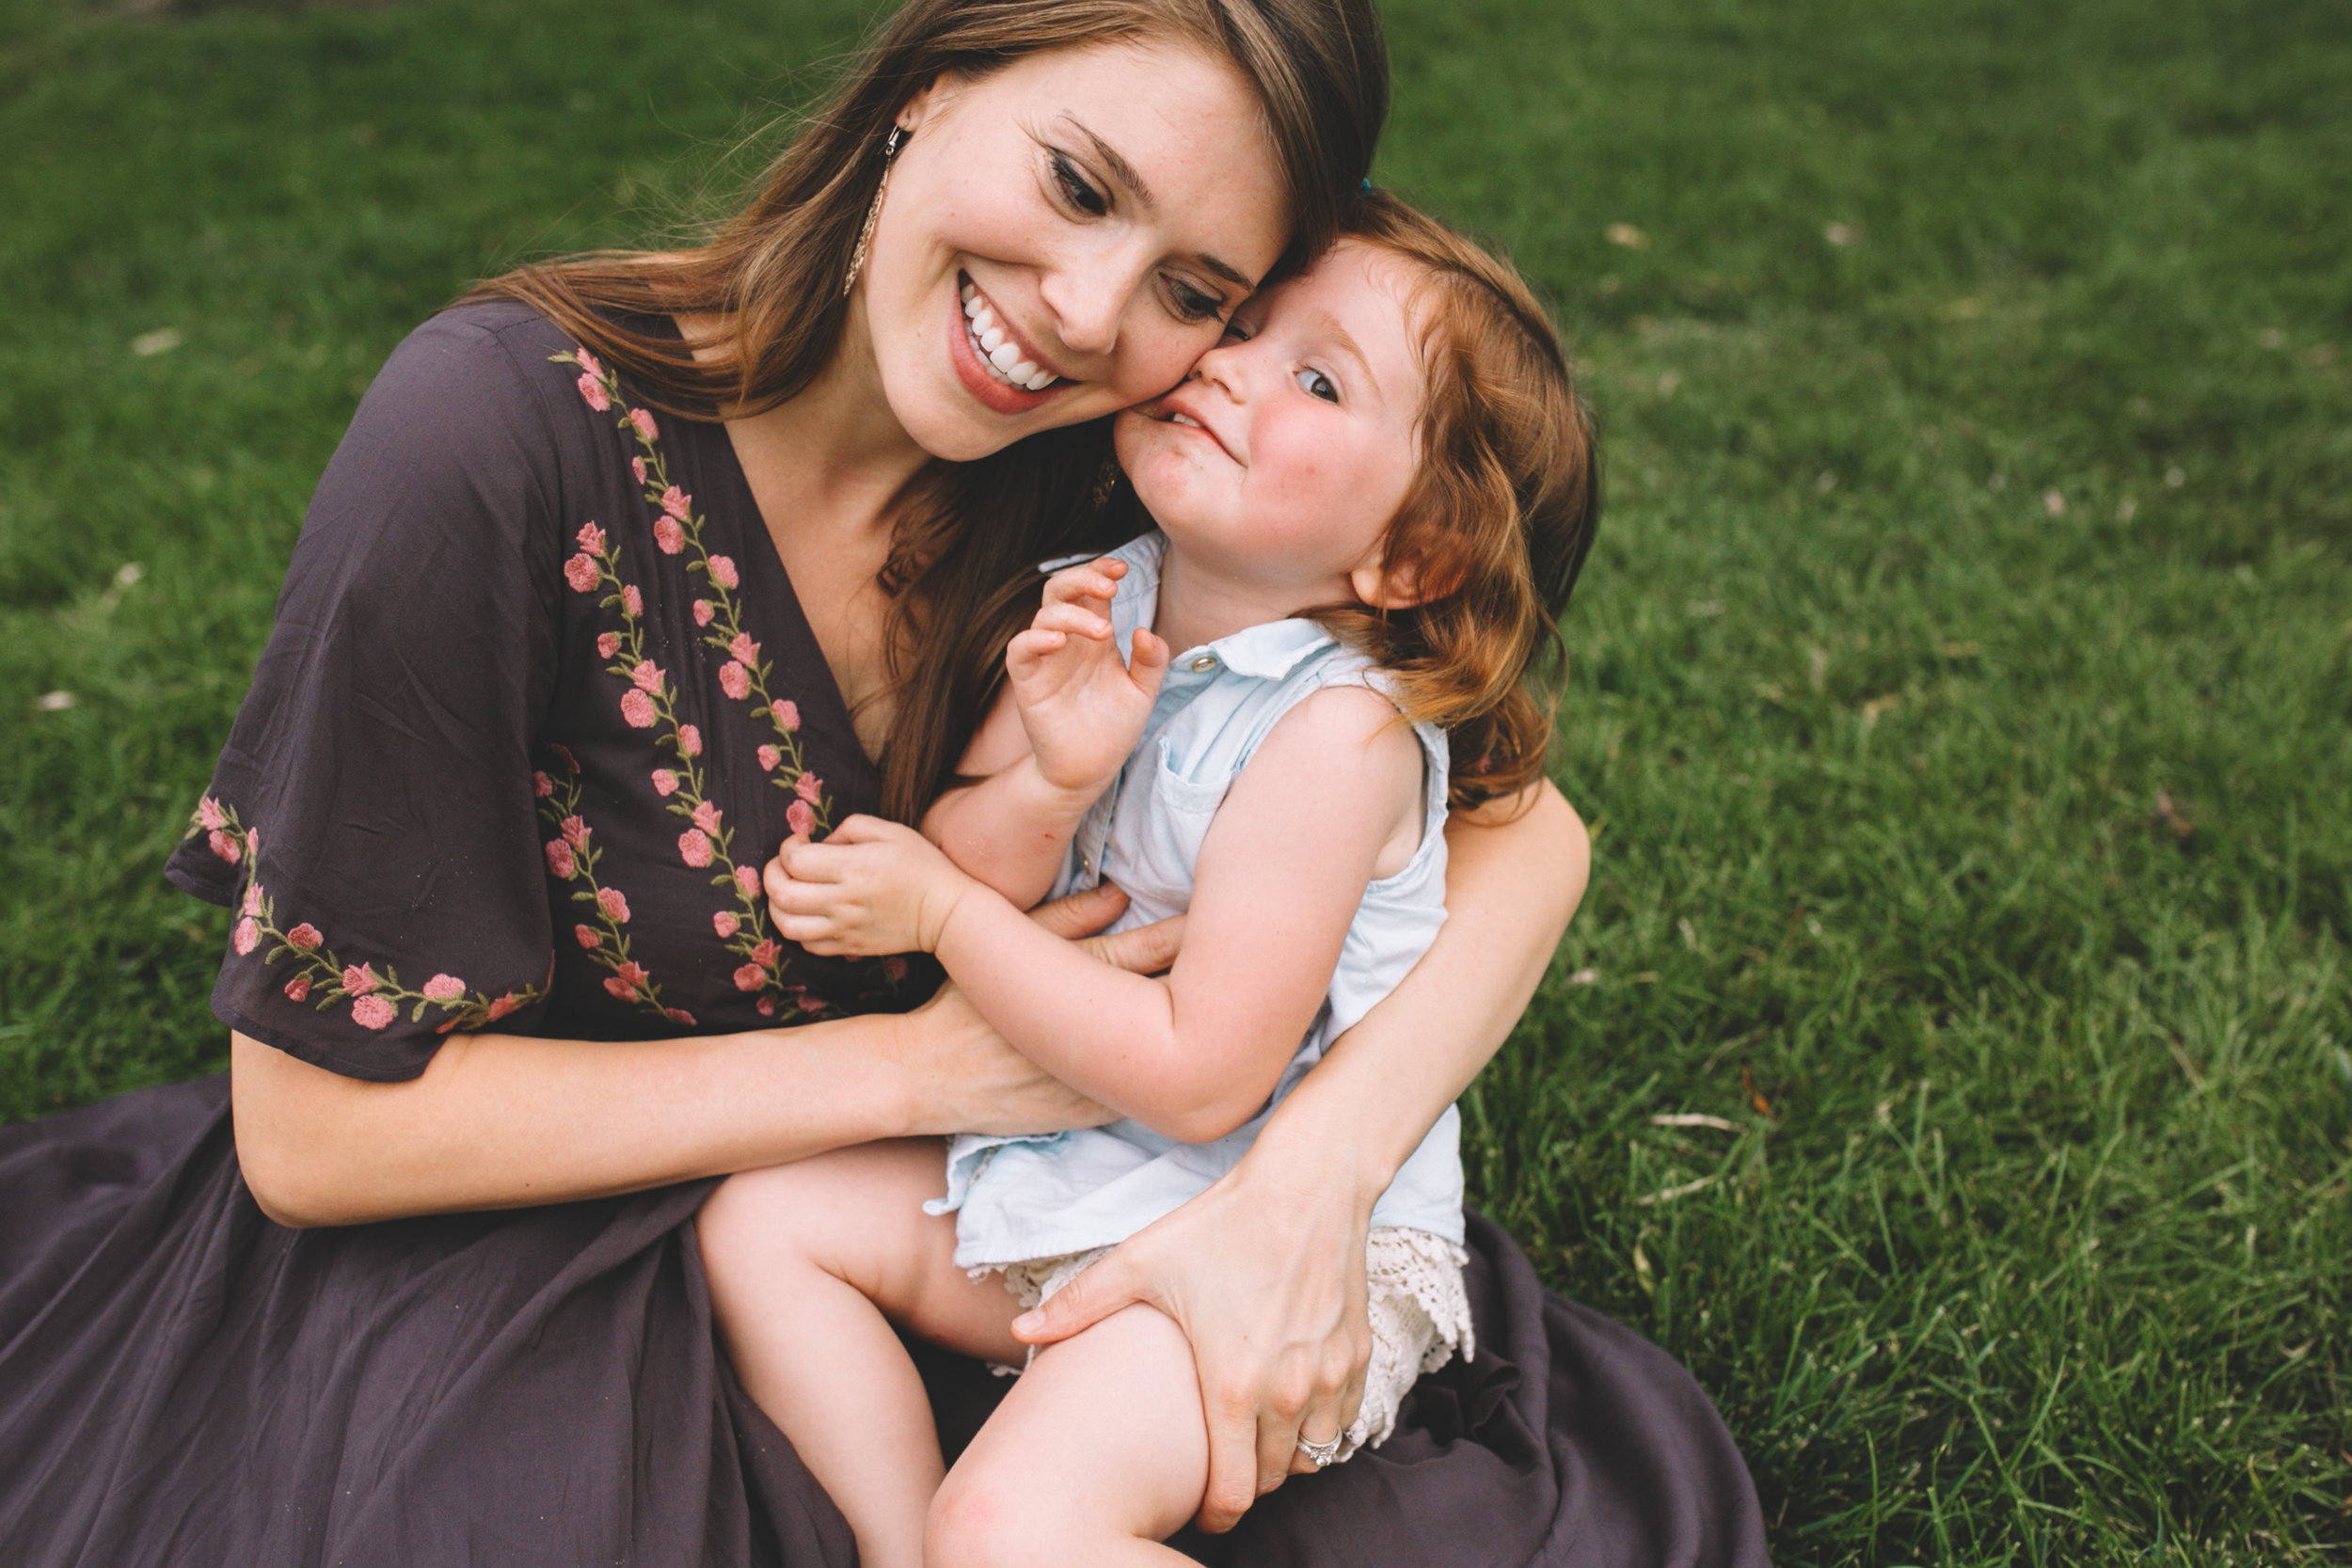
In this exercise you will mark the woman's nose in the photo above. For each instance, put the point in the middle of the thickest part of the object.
(1088, 298)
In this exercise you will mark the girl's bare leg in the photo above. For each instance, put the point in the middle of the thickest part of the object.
(1100, 1452)
(804, 1262)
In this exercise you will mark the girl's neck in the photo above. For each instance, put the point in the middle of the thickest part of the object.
(1201, 601)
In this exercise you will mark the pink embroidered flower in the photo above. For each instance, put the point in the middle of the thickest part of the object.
(633, 973)
(676, 502)
(587, 361)
(750, 977)
(632, 602)
(702, 612)
(590, 539)
(246, 936)
(722, 571)
(608, 645)
(209, 816)
(303, 938)
(253, 842)
(788, 714)
(690, 740)
(252, 904)
(766, 1005)
(575, 833)
(503, 1006)
(644, 422)
(593, 390)
(735, 680)
(768, 757)
(667, 536)
(809, 787)
(298, 989)
(894, 969)
(766, 953)
(559, 859)
(706, 818)
(646, 675)
(226, 847)
(637, 708)
(637, 467)
(800, 819)
(373, 1012)
(586, 936)
(694, 847)
(580, 571)
(621, 988)
(444, 988)
(615, 907)
(679, 1014)
(724, 923)
(541, 786)
(747, 877)
(359, 981)
(665, 781)
(744, 648)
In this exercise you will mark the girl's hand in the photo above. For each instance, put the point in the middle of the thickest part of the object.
(1083, 708)
(1265, 1272)
(872, 888)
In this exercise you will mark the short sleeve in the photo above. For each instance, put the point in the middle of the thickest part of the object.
(371, 820)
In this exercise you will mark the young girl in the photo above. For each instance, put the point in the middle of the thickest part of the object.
(1373, 497)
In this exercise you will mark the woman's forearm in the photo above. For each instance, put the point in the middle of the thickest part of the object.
(502, 1121)
(1511, 886)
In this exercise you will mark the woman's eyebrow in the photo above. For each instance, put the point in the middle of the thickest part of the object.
(1127, 175)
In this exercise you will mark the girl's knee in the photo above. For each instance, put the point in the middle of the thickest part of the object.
(981, 1518)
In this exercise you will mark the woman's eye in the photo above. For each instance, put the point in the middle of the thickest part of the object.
(1076, 190)
(1192, 304)
(1317, 385)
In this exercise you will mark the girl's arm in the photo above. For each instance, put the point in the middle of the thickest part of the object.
(1070, 711)
(1333, 787)
(1265, 1271)
(499, 1121)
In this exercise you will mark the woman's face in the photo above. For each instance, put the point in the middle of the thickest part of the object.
(1093, 215)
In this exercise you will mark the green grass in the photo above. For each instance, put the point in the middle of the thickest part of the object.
(1935, 560)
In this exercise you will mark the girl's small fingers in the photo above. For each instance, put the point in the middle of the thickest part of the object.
(809, 930)
(1076, 620)
(799, 898)
(815, 862)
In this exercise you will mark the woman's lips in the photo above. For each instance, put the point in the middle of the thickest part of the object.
(979, 379)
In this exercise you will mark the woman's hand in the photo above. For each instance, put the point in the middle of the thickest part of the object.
(972, 1081)
(1265, 1272)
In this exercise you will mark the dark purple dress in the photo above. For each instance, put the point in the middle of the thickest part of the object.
(538, 704)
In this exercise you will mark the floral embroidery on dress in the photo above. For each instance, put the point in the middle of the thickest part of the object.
(320, 977)
(571, 858)
(650, 701)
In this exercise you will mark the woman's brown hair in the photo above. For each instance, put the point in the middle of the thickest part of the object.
(1500, 514)
(965, 534)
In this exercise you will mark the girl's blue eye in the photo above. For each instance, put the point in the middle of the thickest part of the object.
(1317, 385)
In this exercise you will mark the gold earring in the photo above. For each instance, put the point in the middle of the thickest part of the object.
(891, 144)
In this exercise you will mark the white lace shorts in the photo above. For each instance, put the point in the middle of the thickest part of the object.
(1421, 1316)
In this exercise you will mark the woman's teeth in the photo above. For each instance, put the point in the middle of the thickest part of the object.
(996, 351)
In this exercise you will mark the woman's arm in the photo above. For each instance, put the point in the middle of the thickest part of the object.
(1265, 1271)
(499, 1121)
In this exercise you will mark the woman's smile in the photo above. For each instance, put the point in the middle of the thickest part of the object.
(996, 364)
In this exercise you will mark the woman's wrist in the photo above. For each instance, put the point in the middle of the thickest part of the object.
(1298, 1162)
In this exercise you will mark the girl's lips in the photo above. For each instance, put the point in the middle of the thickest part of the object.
(991, 393)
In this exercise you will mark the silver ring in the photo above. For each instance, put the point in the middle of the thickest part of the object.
(1323, 1453)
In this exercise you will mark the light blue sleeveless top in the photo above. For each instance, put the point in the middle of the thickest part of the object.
(1017, 1200)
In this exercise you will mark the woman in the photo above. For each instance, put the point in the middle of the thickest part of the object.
(554, 671)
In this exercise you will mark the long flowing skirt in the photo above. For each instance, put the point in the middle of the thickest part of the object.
(183, 1382)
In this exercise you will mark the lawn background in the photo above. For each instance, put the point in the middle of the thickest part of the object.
(1963, 684)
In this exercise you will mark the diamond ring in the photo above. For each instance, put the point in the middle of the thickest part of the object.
(1323, 1453)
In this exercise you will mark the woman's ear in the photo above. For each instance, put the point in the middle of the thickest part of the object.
(923, 105)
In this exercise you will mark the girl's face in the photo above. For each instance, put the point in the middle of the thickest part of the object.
(1061, 238)
(1282, 458)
